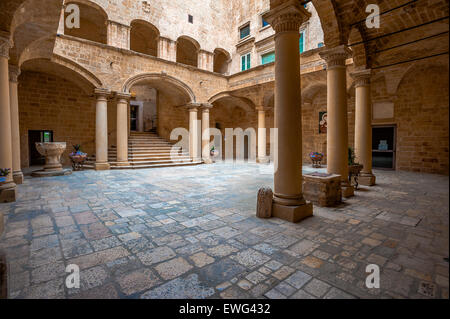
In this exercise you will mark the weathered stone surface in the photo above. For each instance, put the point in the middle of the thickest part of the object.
(322, 190)
(264, 203)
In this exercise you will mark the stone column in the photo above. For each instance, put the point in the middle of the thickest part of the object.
(193, 131)
(14, 72)
(337, 124)
(288, 201)
(363, 126)
(167, 49)
(206, 152)
(101, 130)
(262, 137)
(7, 189)
(122, 128)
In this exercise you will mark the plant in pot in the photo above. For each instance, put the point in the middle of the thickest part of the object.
(316, 158)
(77, 156)
(214, 152)
(353, 168)
(3, 173)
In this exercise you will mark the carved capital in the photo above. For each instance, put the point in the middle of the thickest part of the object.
(14, 72)
(361, 77)
(193, 107)
(287, 17)
(335, 57)
(102, 93)
(123, 97)
(5, 45)
(206, 107)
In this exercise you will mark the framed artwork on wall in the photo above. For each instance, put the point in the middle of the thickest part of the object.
(322, 122)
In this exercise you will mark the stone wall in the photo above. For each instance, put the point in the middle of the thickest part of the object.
(47, 102)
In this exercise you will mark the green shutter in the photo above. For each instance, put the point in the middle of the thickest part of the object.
(243, 63)
(301, 42)
(268, 58)
(248, 61)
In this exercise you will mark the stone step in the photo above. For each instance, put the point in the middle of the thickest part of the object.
(157, 165)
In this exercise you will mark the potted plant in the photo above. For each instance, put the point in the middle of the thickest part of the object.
(3, 173)
(214, 152)
(316, 158)
(77, 157)
(353, 168)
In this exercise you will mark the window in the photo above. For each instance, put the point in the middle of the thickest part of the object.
(264, 23)
(245, 62)
(268, 58)
(190, 18)
(244, 31)
(302, 41)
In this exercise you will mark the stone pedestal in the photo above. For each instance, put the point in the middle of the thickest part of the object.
(52, 153)
(7, 193)
(264, 203)
(322, 189)
(366, 179)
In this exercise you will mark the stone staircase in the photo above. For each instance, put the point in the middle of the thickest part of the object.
(147, 150)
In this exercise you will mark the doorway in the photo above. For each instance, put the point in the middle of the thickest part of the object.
(133, 117)
(34, 137)
(383, 146)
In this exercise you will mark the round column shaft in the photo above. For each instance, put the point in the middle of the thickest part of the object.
(101, 130)
(262, 137)
(14, 73)
(122, 129)
(206, 152)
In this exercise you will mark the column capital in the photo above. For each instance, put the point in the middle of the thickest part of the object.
(14, 72)
(335, 57)
(101, 92)
(5, 45)
(287, 17)
(206, 107)
(123, 96)
(261, 109)
(193, 106)
(361, 77)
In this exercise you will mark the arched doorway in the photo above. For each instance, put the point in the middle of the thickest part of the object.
(221, 61)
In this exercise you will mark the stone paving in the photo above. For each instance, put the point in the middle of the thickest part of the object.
(191, 232)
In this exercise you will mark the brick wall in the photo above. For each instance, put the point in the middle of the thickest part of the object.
(48, 102)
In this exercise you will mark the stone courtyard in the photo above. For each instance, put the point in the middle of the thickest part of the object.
(191, 232)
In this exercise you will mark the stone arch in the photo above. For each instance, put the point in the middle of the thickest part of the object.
(144, 37)
(242, 102)
(356, 42)
(187, 51)
(311, 91)
(63, 68)
(221, 61)
(154, 78)
(329, 21)
(93, 22)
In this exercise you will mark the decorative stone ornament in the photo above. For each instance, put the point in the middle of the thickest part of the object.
(361, 77)
(336, 57)
(5, 45)
(264, 204)
(287, 17)
(14, 72)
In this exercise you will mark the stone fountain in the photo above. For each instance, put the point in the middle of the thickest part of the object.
(52, 152)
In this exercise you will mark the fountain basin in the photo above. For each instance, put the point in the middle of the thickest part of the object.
(52, 152)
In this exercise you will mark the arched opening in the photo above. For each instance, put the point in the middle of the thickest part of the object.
(187, 51)
(239, 114)
(221, 61)
(93, 23)
(144, 38)
(156, 104)
(55, 104)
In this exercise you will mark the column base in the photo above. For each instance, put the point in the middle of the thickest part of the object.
(292, 214)
(347, 190)
(262, 160)
(207, 161)
(18, 177)
(102, 166)
(366, 179)
(8, 193)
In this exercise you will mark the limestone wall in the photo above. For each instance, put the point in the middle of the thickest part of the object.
(48, 102)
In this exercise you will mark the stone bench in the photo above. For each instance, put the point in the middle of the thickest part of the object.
(322, 189)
